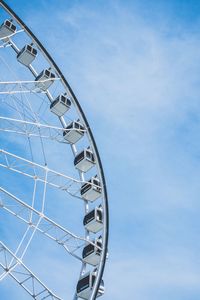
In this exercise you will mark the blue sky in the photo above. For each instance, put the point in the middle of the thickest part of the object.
(134, 66)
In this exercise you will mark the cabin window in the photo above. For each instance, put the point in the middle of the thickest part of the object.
(85, 186)
(29, 48)
(93, 279)
(13, 27)
(96, 182)
(34, 51)
(83, 284)
(76, 125)
(89, 217)
(79, 157)
(47, 73)
(8, 23)
(99, 215)
(88, 250)
(89, 154)
(99, 244)
(63, 99)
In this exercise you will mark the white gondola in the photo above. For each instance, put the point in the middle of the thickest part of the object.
(60, 105)
(93, 221)
(85, 285)
(73, 132)
(91, 253)
(84, 161)
(7, 29)
(27, 55)
(45, 79)
(91, 190)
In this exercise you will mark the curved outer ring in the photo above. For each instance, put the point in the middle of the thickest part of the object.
(67, 86)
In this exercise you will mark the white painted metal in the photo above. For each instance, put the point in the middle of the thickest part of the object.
(84, 161)
(92, 190)
(27, 55)
(92, 259)
(60, 105)
(7, 29)
(22, 275)
(93, 220)
(85, 286)
(91, 253)
(25, 213)
(44, 80)
(30, 124)
(73, 132)
(84, 165)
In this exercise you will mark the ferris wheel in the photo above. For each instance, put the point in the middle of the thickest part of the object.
(53, 199)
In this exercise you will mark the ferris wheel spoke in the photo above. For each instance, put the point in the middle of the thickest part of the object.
(34, 98)
(34, 124)
(30, 124)
(5, 45)
(7, 38)
(57, 138)
(51, 229)
(36, 171)
(36, 129)
(59, 130)
(17, 106)
(24, 277)
(22, 86)
(31, 129)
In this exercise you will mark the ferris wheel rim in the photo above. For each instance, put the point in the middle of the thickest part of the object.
(92, 140)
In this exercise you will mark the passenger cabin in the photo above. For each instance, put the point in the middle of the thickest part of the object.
(7, 29)
(84, 161)
(93, 221)
(27, 55)
(60, 105)
(85, 285)
(45, 79)
(91, 190)
(91, 253)
(73, 132)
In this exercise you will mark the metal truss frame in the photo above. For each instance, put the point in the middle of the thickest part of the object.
(30, 124)
(23, 276)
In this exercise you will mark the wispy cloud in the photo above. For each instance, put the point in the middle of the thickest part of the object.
(137, 77)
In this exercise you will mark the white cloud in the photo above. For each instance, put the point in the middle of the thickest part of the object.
(138, 83)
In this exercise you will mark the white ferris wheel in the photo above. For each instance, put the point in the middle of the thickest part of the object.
(53, 199)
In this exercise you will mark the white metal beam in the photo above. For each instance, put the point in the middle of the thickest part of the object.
(23, 276)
